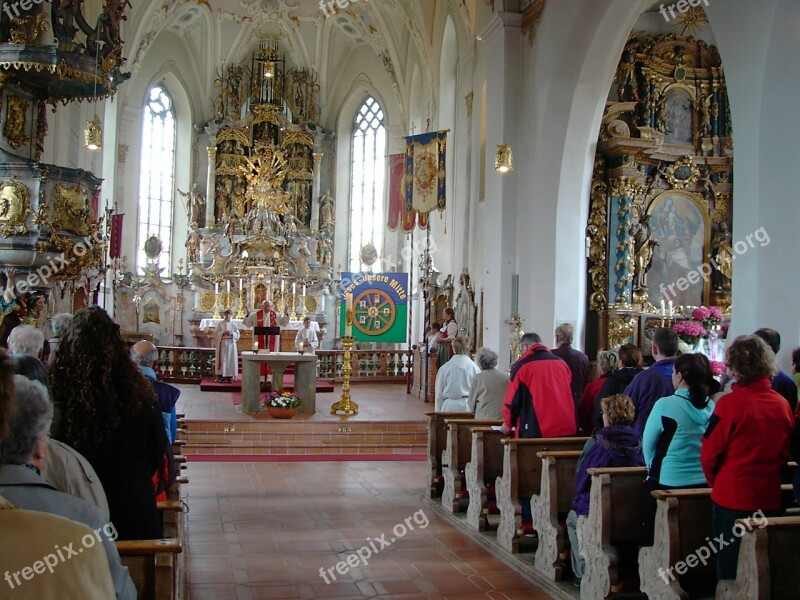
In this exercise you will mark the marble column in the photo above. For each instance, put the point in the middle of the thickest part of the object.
(211, 184)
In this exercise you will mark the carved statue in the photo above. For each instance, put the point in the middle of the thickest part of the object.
(193, 245)
(326, 212)
(195, 205)
(627, 87)
(325, 251)
(723, 257)
(643, 248)
(661, 113)
(290, 222)
(705, 116)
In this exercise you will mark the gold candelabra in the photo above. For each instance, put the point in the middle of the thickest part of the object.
(240, 312)
(217, 302)
(293, 316)
(345, 405)
(516, 334)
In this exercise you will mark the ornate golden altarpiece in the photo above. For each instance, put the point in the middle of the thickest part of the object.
(661, 195)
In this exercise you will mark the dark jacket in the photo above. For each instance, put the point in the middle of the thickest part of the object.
(746, 446)
(786, 387)
(647, 387)
(578, 364)
(614, 384)
(538, 400)
(612, 446)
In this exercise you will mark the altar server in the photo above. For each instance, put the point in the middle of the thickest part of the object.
(306, 339)
(225, 337)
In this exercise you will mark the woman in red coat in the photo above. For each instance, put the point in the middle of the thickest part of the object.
(745, 446)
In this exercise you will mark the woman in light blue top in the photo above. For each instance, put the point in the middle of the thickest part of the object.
(673, 433)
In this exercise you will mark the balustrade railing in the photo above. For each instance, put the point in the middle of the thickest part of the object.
(190, 365)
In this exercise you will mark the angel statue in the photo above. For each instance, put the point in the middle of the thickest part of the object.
(196, 203)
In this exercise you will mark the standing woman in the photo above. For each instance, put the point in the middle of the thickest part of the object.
(447, 334)
(109, 414)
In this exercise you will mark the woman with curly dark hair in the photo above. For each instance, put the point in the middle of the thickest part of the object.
(108, 413)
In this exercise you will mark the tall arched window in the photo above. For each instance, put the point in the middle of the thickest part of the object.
(157, 175)
(367, 177)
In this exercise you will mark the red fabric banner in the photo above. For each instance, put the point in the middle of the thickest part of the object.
(397, 169)
(115, 243)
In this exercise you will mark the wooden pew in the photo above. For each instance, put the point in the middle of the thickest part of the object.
(437, 437)
(175, 491)
(767, 567)
(683, 526)
(483, 469)
(553, 500)
(152, 565)
(172, 519)
(615, 517)
(522, 478)
(456, 454)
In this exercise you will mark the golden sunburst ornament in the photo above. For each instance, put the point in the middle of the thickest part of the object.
(689, 22)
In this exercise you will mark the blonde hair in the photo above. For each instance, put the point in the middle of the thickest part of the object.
(619, 409)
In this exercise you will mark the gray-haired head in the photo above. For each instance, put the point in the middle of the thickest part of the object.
(459, 345)
(30, 421)
(26, 339)
(144, 353)
(606, 360)
(565, 333)
(59, 323)
(486, 358)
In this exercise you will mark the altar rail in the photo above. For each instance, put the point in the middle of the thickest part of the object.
(190, 365)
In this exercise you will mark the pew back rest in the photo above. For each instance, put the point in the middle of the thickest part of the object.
(490, 439)
(460, 431)
(621, 490)
(152, 566)
(528, 474)
(560, 466)
(437, 432)
(782, 543)
(690, 522)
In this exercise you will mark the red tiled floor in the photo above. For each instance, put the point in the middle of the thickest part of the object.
(264, 530)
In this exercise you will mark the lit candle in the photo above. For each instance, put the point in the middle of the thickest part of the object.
(304, 290)
(241, 285)
(671, 310)
(294, 288)
(216, 288)
(282, 285)
(228, 286)
(348, 314)
(663, 309)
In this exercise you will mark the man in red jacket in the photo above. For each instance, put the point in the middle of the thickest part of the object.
(538, 402)
(745, 447)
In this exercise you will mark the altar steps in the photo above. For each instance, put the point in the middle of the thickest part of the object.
(387, 440)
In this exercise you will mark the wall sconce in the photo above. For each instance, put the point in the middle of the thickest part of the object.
(503, 160)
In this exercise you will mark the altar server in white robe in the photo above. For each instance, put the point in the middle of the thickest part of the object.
(306, 339)
(225, 337)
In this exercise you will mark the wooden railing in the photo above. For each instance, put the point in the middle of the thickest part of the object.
(190, 365)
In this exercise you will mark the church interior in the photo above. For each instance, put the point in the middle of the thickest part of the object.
(222, 178)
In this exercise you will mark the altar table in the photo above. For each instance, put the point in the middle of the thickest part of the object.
(305, 374)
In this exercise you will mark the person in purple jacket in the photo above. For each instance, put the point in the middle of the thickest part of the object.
(615, 445)
(656, 382)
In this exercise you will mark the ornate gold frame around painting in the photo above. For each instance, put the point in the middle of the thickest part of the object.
(694, 262)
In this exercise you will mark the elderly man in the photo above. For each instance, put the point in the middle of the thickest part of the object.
(26, 340)
(454, 379)
(576, 360)
(267, 317)
(58, 326)
(145, 355)
(24, 451)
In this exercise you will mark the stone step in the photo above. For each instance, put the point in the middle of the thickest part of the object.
(305, 437)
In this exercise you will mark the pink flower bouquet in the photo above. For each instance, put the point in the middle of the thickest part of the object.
(717, 368)
(689, 331)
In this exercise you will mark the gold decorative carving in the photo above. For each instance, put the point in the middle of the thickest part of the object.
(620, 328)
(151, 312)
(266, 113)
(231, 164)
(72, 209)
(682, 173)
(296, 137)
(531, 17)
(207, 301)
(16, 117)
(468, 101)
(597, 231)
(623, 187)
(236, 134)
(29, 30)
(15, 206)
(311, 303)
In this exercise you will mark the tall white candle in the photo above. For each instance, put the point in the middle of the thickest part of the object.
(282, 285)
(348, 314)
(663, 309)
(216, 288)
(294, 288)
(671, 310)
(241, 284)
(304, 290)
(228, 286)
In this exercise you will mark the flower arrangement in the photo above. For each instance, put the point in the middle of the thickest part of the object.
(282, 400)
(689, 331)
(717, 368)
(709, 317)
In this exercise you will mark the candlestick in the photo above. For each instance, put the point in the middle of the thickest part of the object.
(663, 309)
(671, 309)
(228, 285)
(345, 405)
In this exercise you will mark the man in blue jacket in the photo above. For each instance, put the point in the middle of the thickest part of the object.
(656, 382)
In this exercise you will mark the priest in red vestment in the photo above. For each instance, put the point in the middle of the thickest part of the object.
(266, 316)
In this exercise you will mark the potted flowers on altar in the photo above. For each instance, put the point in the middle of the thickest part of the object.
(703, 334)
(282, 405)
(689, 335)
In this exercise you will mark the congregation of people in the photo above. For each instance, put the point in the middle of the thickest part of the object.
(734, 433)
(85, 437)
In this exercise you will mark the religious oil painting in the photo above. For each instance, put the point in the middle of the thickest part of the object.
(679, 117)
(681, 230)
